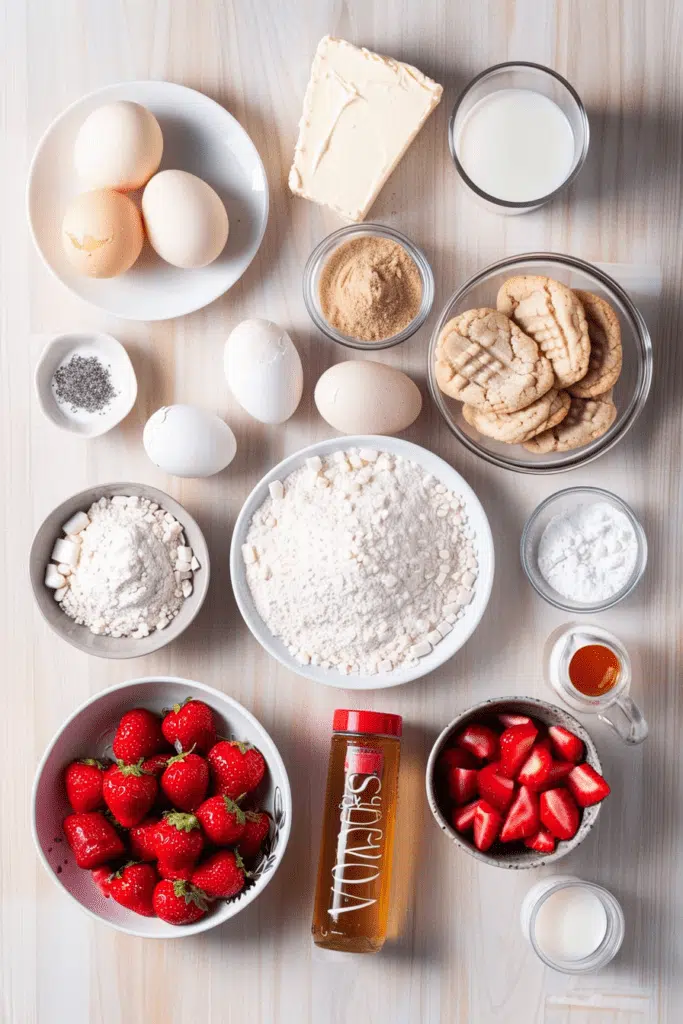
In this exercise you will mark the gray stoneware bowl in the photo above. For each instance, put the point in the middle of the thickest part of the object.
(80, 636)
(548, 714)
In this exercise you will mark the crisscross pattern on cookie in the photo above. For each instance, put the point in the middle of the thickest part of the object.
(485, 360)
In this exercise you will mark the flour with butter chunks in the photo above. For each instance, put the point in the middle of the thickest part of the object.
(360, 561)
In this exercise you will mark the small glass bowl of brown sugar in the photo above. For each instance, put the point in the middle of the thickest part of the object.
(368, 287)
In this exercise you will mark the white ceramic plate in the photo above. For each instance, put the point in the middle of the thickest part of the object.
(111, 354)
(90, 731)
(463, 628)
(200, 136)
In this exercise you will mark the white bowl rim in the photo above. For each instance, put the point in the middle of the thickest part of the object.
(112, 87)
(589, 815)
(397, 677)
(93, 337)
(211, 920)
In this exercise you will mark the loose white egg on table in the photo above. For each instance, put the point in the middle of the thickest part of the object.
(184, 440)
(186, 221)
(119, 145)
(102, 233)
(264, 371)
(363, 397)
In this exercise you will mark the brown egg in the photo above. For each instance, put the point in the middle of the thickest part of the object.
(102, 233)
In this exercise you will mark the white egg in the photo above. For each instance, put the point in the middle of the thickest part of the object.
(186, 441)
(264, 371)
(186, 222)
(118, 146)
(363, 397)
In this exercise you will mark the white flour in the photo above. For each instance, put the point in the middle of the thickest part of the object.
(360, 561)
(588, 555)
(124, 583)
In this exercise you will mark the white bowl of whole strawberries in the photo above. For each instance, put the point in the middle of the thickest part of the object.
(515, 782)
(162, 807)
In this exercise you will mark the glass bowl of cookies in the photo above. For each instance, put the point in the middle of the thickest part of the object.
(540, 363)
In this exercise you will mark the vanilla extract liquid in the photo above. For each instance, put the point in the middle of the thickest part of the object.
(354, 870)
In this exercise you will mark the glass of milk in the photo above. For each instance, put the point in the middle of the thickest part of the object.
(518, 136)
(573, 926)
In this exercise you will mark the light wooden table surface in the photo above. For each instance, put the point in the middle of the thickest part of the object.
(458, 955)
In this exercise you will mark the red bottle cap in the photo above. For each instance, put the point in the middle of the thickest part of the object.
(370, 722)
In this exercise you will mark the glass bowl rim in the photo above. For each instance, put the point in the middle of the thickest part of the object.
(327, 245)
(638, 570)
(579, 456)
(527, 204)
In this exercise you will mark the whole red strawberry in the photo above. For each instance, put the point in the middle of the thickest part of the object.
(221, 876)
(133, 887)
(178, 843)
(129, 792)
(143, 839)
(179, 902)
(92, 838)
(83, 781)
(186, 781)
(138, 735)
(256, 828)
(222, 819)
(155, 765)
(189, 725)
(236, 768)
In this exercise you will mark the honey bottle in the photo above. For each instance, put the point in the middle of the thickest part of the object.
(354, 870)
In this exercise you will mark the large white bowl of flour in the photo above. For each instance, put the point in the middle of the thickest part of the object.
(249, 590)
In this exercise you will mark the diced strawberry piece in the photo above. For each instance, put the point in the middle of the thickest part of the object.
(545, 743)
(509, 720)
(495, 788)
(455, 757)
(566, 745)
(559, 771)
(462, 784)
(535, 771)
(463, 817)
(587, 786)
(480, 741)
(487, 822)
(559, 813)
(515, 744)
(522, 818)
(543, 842)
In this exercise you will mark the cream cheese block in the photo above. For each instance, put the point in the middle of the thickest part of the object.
(361, 112)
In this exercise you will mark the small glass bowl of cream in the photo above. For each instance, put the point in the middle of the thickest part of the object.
(573, 926)
(329, 248)
(518, 135)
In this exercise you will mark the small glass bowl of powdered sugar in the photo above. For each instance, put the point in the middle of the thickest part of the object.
(583, 549)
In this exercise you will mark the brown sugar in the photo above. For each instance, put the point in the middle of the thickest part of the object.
(370, 288)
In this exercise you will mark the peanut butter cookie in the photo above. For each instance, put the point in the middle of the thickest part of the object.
(516, 427)
(553, 316)
(604, 332)
(587, 420)
(486, 360)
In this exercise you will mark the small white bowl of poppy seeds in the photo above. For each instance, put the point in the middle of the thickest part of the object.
(85, 383)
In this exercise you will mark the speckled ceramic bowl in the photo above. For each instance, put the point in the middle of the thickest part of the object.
(517, 857)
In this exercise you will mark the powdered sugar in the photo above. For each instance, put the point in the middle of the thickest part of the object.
(363, 564)
(126, 580)
(588, 555)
